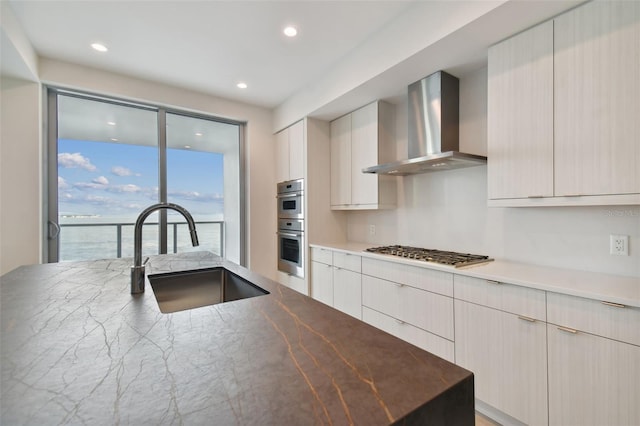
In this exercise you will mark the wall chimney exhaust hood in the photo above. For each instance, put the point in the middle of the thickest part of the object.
(433, 130)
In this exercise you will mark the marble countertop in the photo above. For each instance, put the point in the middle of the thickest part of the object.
(592, 285)
(77, 348)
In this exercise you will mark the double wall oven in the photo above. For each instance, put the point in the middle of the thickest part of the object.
(290, 196)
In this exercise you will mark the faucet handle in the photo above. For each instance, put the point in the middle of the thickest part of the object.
(145, 261)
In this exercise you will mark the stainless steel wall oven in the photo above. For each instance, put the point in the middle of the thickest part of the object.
(291, 199)
(291, 246)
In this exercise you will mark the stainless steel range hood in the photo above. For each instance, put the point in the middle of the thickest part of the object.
(433, 130)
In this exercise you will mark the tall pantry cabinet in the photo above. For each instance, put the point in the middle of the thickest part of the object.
(302, 151)
(563, 102)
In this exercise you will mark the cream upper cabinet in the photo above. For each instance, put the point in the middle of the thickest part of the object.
(520, 115)
(341, 161)
(359, 140)
(563, 108)
(290, 153)
(597, 99)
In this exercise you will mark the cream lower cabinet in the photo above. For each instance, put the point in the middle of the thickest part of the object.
(500, 335)
(398, 301)
(336, 280)
(347, 283)
(508, 357)
(594, 362)
(322, 282)
(347, 292)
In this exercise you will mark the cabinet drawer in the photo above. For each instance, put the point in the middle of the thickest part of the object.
(429, 311)
(414, 335)
(505, 297)
(595, 317)
(414, 276)
(348, 261)
(322, 255)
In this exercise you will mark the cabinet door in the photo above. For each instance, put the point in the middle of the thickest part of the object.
(592, 380)
(282, 156)
(322, 282)
(597, 99)
(341, 161)
(347, 292)
(364, 153)
(508, 357)
(520, 115)
(296, 151)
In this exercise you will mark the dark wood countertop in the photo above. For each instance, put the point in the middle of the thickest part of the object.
(76, 347)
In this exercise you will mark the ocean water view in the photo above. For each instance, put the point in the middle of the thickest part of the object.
(88, 237)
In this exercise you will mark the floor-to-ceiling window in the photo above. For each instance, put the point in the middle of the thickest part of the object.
(109, 159)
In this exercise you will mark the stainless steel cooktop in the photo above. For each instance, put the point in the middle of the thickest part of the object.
(428, 255)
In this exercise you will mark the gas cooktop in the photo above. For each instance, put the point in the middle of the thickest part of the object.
(428, 255)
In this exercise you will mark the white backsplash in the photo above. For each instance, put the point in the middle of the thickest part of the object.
(448, 211)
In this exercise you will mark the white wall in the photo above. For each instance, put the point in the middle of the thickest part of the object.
(260, 178)
(448, 211)
(20, 173)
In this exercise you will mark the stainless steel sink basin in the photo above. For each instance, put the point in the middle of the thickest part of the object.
(179, 291)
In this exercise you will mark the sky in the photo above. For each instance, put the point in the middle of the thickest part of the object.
(120, 180)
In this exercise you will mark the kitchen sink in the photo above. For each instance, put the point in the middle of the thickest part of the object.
(179, 291)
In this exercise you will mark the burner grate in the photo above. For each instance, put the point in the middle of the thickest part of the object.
(429, 255)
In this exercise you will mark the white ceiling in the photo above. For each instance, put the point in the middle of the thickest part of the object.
(207, 46)
(347, 53)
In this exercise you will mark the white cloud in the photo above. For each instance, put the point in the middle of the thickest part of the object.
(75, 161)
(195, 196)
(125, 188)
(84, 185)
(62, 184)
(101, 180)
(122, 171)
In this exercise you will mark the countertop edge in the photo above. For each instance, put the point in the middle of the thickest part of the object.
(591, 285)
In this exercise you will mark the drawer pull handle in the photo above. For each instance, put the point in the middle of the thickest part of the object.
(535, 196)
(399, 321)
(494, 282)
(567, 330)
(615, 305)
(522, 317)
(398, 285)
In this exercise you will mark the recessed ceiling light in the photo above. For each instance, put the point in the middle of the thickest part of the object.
(99, 47)
(187, 146)
(290, 31)
(114, 139)
(198, 134)
(242, 85)
(111, 123)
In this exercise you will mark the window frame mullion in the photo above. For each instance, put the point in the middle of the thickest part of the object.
(162, 179)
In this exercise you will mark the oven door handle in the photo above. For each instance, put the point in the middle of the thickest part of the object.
(290, 234)
(294, 194)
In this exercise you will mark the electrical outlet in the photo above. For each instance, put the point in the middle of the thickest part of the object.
(372, 230)
(619, 245)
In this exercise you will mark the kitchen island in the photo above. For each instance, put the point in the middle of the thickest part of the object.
(78, 348)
